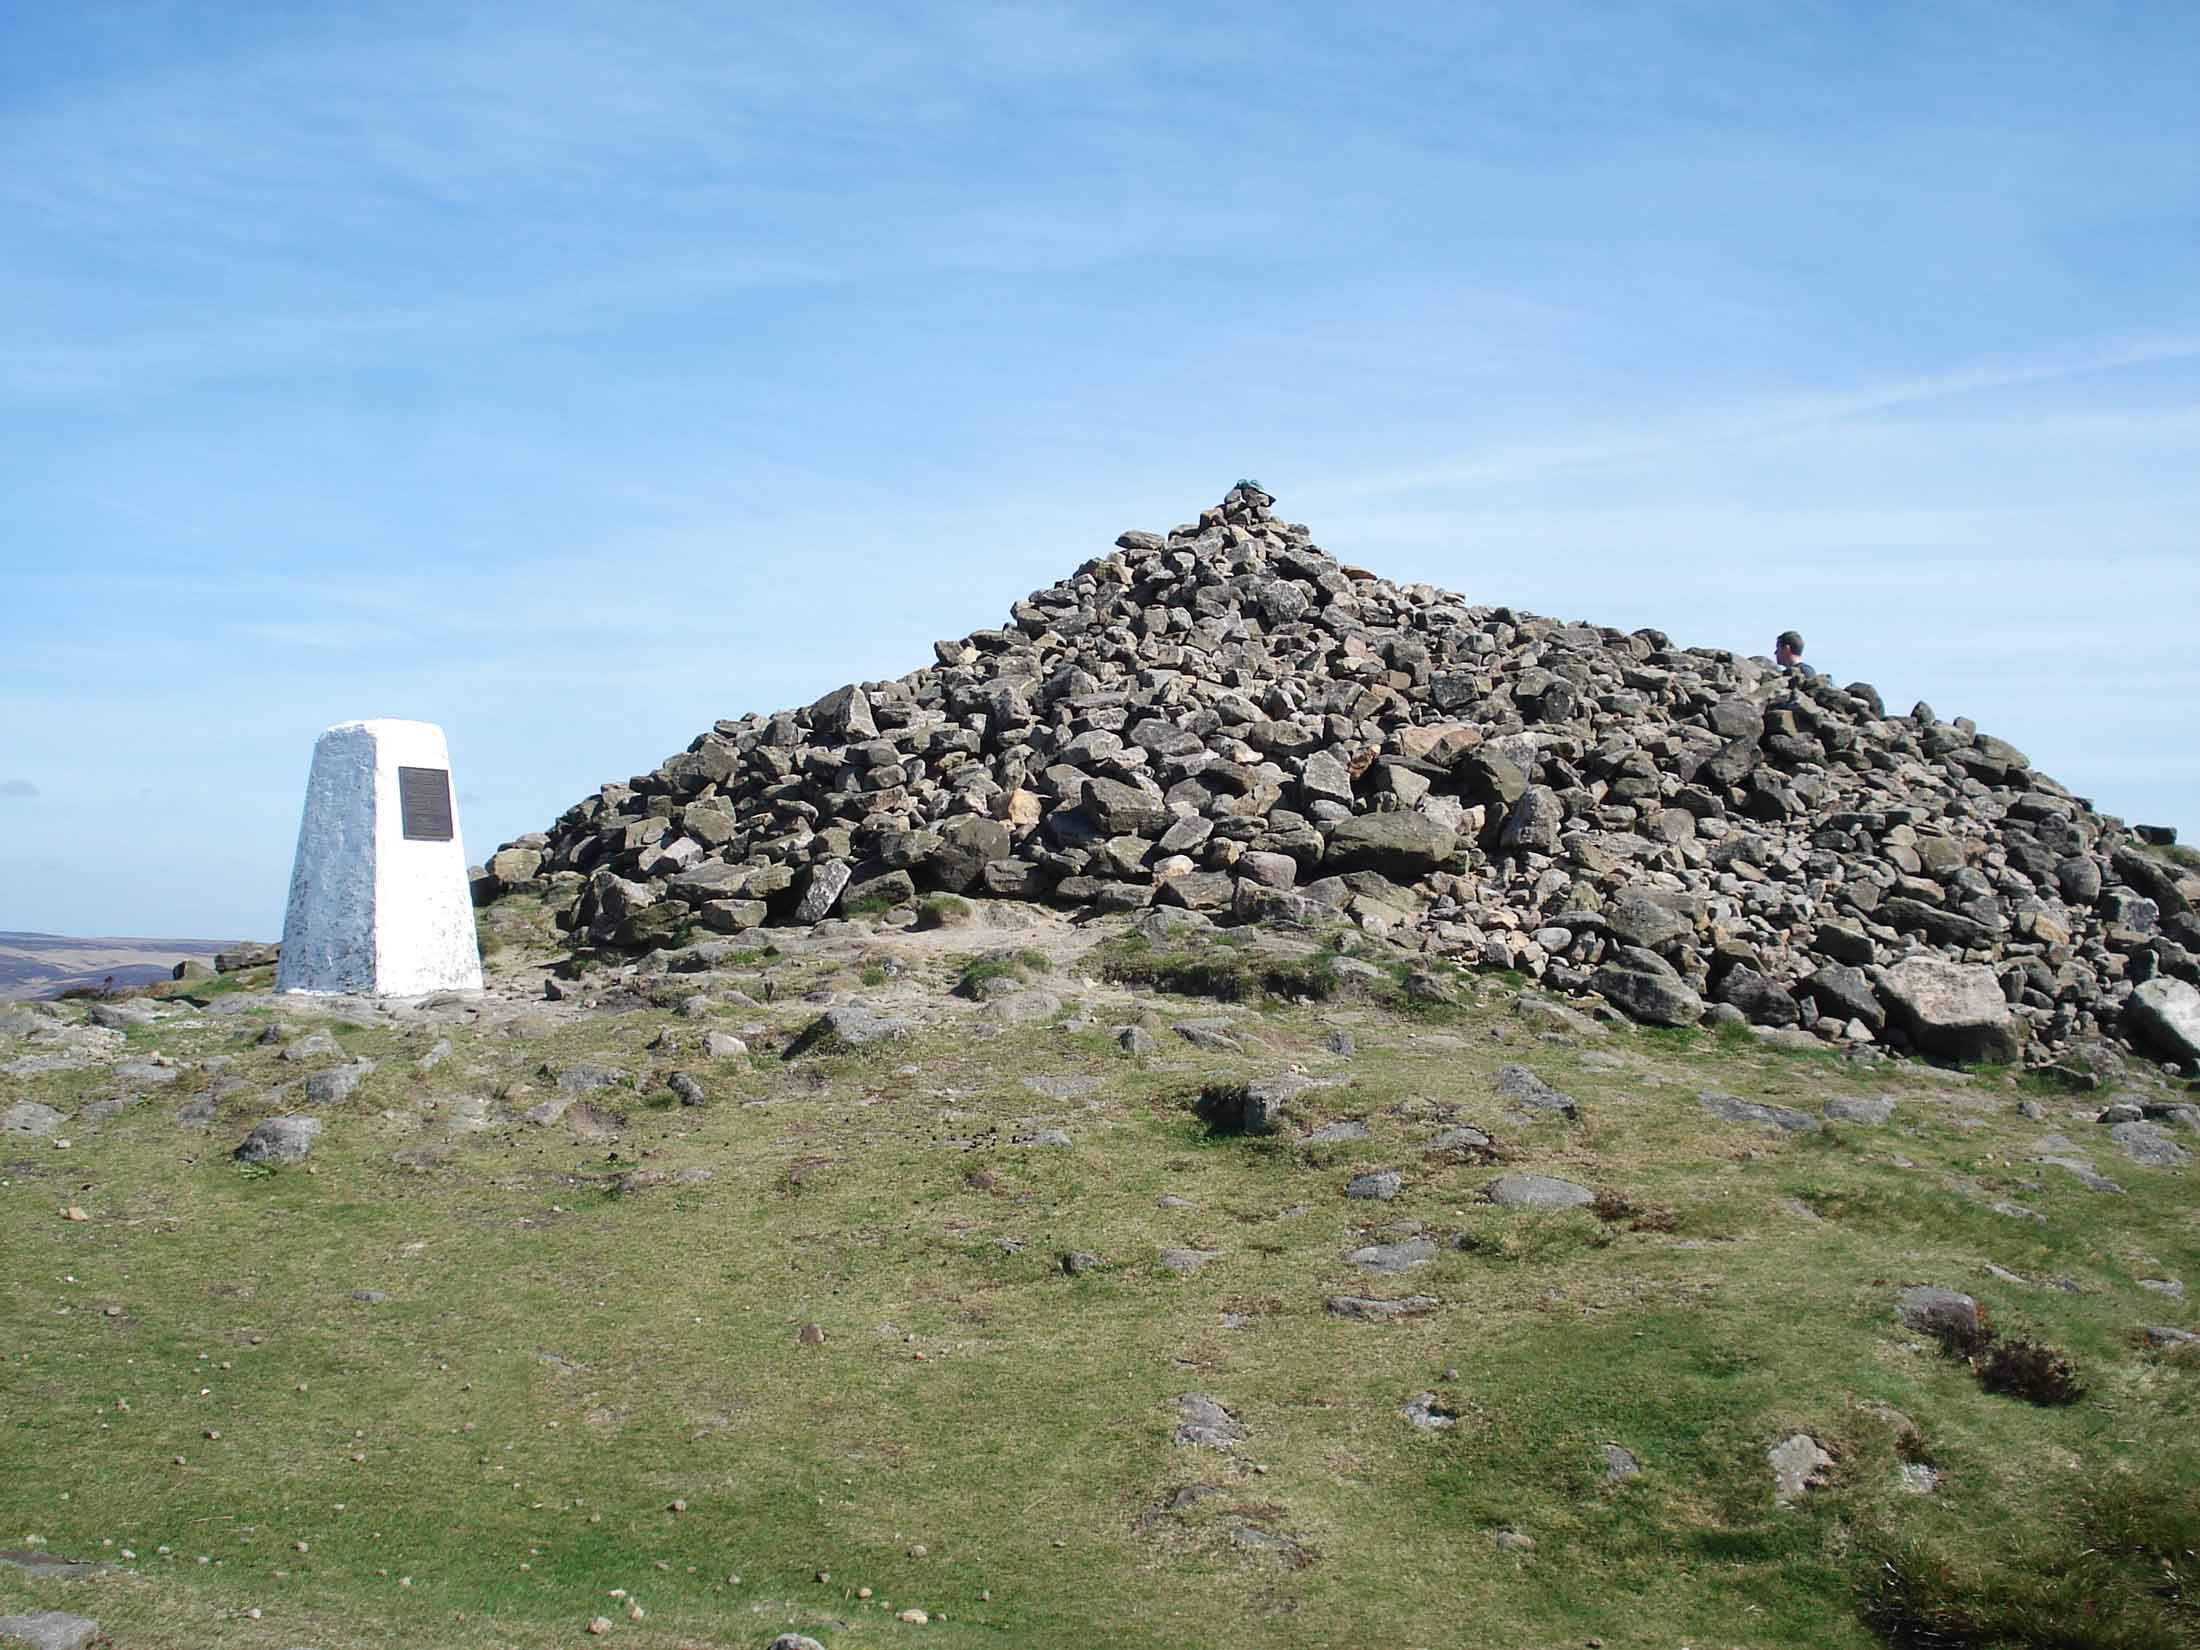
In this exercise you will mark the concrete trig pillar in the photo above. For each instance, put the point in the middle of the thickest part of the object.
(379, 902)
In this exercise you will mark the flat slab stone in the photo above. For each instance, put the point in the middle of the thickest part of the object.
(1063, 1088)
(1187, 1261)
(1854, 1108)
(1389, 1259)
(1732, 1108)
(50, 1630)
(2149, 1146)
(1463, 1138)
(1365, 1309)
(1382, 1185)
(1536, 1191)
(49, 1566)
(30, 1120)
(1331, 1134)
(2086, 1175)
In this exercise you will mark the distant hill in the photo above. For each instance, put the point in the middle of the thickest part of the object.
(45, 965)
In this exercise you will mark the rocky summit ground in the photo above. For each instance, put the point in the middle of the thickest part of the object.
(990, 1273)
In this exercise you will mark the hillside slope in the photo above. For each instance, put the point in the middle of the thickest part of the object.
(947, 1264)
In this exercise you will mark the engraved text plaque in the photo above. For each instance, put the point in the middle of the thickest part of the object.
(424, 803)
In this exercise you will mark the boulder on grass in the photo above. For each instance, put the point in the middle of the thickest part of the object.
(2164, 1015)
(1955, 1010)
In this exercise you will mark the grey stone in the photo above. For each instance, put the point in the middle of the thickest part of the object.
(2079, 1170)
(314, 1045)
(1761, 1000)
(1024, 1008)
(1324, 778)
(1846, 994)
(1956, 1010)
(50, 1630)
(280, 1140)
(1333, 1134)
(822, 892)
(1799, 1465)
(1211, 1034)
(1187, 1261)
(335, 1085)
(1640, 916)
(1856, 1108)
(1654, 995)
(1134, 1040)
(1525, 1089)
(1390, 1259)
(1205, 1424)
(2148, 1145)
(1732, 1108)
(587, 1076)
(1619, 1464)
(1536, 1191)
(847, 1027)
(1928, 1307)
(30, 1120)
(44, 1566)
(2165, 1014)
(1382, 1186)
(1043, 1139)
(1366, 1310)
(1428, 1412)
(1403, 847)
(1461, 1137)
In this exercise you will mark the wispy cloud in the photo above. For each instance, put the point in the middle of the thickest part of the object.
(17, 790)
(1754, 421)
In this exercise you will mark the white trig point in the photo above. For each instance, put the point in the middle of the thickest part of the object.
(379, 902)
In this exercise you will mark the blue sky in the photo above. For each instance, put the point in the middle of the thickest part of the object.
(573, 375)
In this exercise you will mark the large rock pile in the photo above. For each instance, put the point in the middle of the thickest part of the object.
(1225, 718)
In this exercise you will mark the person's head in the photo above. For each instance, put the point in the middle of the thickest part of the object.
(1788, 649)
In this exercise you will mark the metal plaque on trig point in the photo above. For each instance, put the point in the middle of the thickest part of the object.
(424, 803)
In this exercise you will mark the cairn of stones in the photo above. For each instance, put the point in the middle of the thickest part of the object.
(1227, 720)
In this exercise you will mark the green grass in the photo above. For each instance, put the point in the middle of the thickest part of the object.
(557, 1362)
(1021, 965)
(1230, 974)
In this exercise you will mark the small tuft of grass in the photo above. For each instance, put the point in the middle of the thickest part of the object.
(2033, 1371)
(944, 911)
(1229, 978)
(1001, 965)
(2017, 1368)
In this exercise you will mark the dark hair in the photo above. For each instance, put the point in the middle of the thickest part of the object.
(1791, 639)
